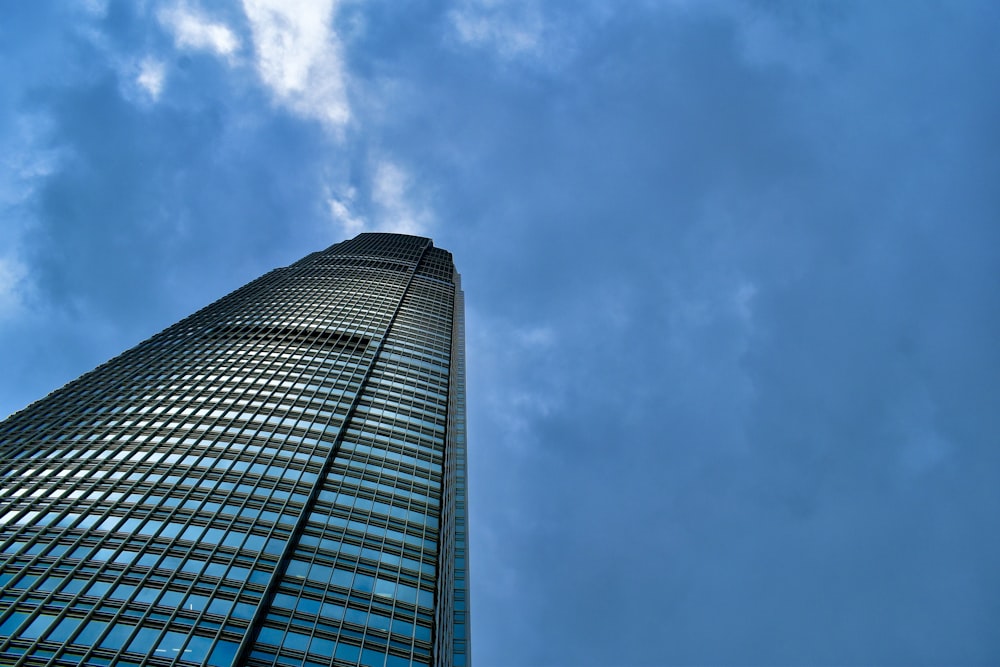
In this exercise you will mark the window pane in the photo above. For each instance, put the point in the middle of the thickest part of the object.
(90, 632)
(223, 654)
(12, 622)
(117, 637)
(144, 640)
(65, 628)
(37, 627)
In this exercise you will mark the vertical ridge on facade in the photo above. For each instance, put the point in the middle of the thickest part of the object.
(278, 479)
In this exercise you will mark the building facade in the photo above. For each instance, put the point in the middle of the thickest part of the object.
(278, 479)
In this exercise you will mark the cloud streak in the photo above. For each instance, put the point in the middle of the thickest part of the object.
(193, 30)
(299, 57)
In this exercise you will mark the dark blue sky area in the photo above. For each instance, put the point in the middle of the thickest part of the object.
(732, 272)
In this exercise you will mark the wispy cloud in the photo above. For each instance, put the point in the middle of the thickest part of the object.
(341, 209)
(299, 57)
(194, 30)
(13, 283)
(396, 203)
(151, 77)
(512, 29)
(539, 35)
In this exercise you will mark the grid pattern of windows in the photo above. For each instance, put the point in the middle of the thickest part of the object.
(278, 479)
(454, 633)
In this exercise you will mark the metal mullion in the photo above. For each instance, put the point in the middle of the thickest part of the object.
(274, 583)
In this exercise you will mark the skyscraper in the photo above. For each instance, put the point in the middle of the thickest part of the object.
(278, 479)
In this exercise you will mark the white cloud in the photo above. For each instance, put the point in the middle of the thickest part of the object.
(27, 158)
(98, 8)
(783, 35)
(536, 336)
(394, 200)
(193, 30)
(536, 34)
(299, 57)
(511, 29)
(341, 210)
(393, 204)
(13, 275)
(151, 77)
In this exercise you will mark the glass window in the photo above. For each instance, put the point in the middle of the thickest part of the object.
(73, 586)
(295, 640)
(220, 606)
(342, 578)
(402, 628)
(170, 599)
(171, 645)
(192, 566)
(144, 640)
(320, 572)
(150, 527)
(260, 576)
(385, 588)
(37, 627)
(213, 536)
(426, 599)
(244, 611)
(275, 546)
(372, 658)
(192, 533)
(270, 636)
(197, 648)
(125, 557)
(348, 653)
(355, 616)
(147, 595)
(321, 646)
(109, 523)
(284, 601)
(332, 611)
(117, 636)
(297, 568)
(308, 606)
(406, 593)
(63, 630)
(234, 539)
(90, 632)
(121, 591)
(254, 542)
(49, 583)
(363, 583)
(378, 622)
(214, 569)
(195, 602)
(98, 589)
(223, 654)
(170, 530)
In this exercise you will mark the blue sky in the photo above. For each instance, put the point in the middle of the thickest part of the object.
(732, 273)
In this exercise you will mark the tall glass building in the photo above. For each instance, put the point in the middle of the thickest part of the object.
(279, 479)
